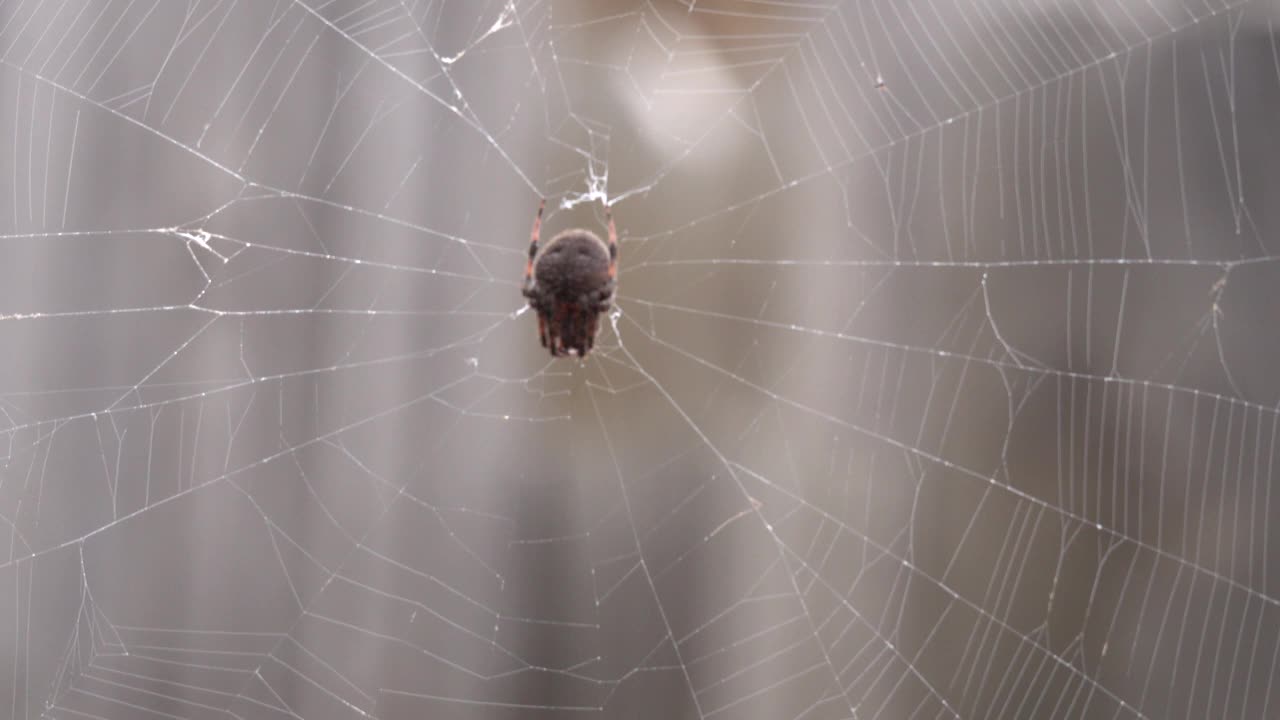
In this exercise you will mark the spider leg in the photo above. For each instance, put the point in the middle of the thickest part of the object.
(582, 327)
(554, 336)
(542, 329)
(533, 245)
(604, 297)
(592, 327)
(613, 243)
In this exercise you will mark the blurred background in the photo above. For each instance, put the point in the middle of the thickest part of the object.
(941, 381)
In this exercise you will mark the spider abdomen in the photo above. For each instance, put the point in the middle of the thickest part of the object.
(573, 267)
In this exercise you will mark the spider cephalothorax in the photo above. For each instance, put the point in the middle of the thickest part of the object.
(569, 282)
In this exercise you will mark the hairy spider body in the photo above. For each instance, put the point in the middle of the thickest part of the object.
(569, 281)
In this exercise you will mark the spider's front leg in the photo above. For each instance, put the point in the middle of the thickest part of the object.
(613, 244)
(533, 248)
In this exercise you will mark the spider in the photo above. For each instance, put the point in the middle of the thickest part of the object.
(569, 282)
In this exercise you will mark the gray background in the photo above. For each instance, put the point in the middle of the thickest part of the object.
(942, 380)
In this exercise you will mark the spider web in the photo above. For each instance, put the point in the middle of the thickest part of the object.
(941, 381)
